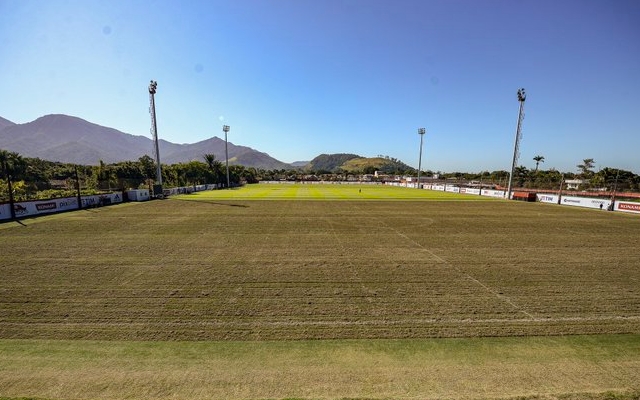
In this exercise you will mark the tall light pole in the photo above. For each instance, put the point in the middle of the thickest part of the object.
(225, 129)
(154, 131)
(516, 148)
(421, 132)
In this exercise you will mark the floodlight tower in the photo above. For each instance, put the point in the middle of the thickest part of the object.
(516, 148)
(225, 129)
(421, 132)
(154, 129)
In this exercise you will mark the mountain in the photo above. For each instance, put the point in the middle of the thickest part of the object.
(329, 162)
(4, 123)
(355, 164)
(70, 139)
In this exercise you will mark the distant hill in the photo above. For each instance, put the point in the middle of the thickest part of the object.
(385, 165)
(4, 123)
(356, 164)
(70, 139)
(329, 162)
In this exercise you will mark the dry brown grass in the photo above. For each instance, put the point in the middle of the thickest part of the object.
(255, 275)
(176, 270)
(381, 369)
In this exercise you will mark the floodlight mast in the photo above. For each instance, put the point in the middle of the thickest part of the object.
(516, 148)
(154, 129)
(421, 132)
(225, 129)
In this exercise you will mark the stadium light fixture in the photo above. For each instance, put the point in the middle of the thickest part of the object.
(421, 132)
(225, 129)
(154, 132)
(516, 148)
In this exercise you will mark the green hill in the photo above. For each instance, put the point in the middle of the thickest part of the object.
(353, 163)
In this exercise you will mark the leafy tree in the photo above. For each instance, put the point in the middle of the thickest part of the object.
(215, 168)
(520, 175)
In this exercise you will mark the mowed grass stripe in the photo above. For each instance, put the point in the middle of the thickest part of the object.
(591, 367)
(308, 191)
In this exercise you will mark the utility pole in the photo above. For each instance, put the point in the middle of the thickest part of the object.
(516, 148)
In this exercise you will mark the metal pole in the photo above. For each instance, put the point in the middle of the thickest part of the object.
(560, 191)
(152, 91)
(521, 98)
(5, 166)
(225, 129)
(615, 188)
(79, 197)
(421, 132)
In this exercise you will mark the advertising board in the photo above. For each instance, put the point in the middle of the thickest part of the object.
(101, 200)
(587, 202)
(493, 193)
(452, 189)
(627, 206)
(5, 211)
(138, 195)
(470, 191)
(438, 187)
(547, 198)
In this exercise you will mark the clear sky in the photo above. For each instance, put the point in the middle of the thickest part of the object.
(298, 78)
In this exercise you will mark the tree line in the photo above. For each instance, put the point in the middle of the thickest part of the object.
(34, 178)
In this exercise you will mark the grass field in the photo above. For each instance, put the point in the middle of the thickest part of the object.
(366, 292)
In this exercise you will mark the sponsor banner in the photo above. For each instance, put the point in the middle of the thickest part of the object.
(27, 208)
(24, 209)
(627, 206)
(69, 203)
(587, 202)
(138, 195)
(438, 187)
(547, 198)
(5, 211)
(470, 191)
(101, 200)
(493, 193)
(452, 189)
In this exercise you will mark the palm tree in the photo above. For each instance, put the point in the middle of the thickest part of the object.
(11, 164)
(538, 160)
(586, 167)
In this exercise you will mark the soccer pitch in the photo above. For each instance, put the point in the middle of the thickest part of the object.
(321, 291)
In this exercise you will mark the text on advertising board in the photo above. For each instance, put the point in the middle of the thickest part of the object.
(629, 206)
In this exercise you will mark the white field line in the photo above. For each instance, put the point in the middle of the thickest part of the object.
(466, 275)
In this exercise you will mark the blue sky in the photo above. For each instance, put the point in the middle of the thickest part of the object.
(298, 78)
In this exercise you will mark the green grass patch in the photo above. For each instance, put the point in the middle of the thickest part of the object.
(291, 191)
(473, 368)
